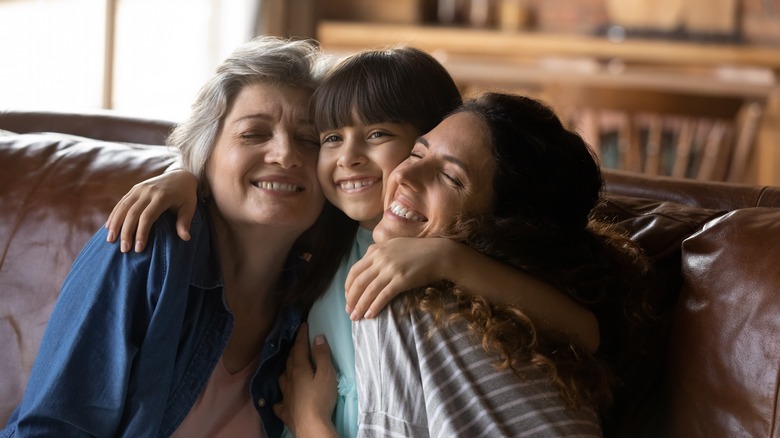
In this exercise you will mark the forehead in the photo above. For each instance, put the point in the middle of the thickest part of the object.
(465, 137)
(272, 100)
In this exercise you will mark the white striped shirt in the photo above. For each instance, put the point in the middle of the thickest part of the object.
(418, 379)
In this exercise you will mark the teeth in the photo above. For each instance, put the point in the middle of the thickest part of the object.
(278, 187)
(402, 211)
(357, 184)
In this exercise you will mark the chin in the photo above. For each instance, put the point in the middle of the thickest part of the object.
(357, 214)
(382, 233)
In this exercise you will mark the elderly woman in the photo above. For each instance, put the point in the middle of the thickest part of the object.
(504, 176)
(189, 337)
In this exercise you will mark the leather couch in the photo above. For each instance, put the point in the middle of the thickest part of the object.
(713, 368)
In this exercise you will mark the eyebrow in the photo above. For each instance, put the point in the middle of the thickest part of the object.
(424, 141)
(264, 116)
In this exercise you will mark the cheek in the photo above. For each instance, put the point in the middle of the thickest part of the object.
(211, 171)
(394, 158)
(448, 206)
(389, 164)
(326, 162)
(389, 191)
(323, 175)
(484, 197)
(234, 159)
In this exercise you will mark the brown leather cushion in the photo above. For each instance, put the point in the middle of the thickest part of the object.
(55, 192)
(640, 405)
(725, 349)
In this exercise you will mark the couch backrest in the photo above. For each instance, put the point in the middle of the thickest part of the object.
(55, 192)
(98, 125)
(706, 194)
(714, 287)
(715, 248)
(724, 373)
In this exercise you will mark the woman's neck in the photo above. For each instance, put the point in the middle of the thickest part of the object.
(252, 258)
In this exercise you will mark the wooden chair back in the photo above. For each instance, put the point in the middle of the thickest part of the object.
(706, 137)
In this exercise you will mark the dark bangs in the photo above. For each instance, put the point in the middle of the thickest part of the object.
(402, 85)
(346, 101)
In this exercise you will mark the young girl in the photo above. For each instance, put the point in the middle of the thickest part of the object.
(369, 111)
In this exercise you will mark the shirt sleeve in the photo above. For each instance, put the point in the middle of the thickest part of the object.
(78, 383)
(391, 396)
(418, 377)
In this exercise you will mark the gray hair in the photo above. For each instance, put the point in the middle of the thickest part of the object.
(262, 60)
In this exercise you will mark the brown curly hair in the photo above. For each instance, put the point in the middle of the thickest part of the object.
(547, 183)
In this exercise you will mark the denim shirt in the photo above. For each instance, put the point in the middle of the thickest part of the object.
(133, 339)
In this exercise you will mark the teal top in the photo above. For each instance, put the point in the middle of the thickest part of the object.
(329, 317)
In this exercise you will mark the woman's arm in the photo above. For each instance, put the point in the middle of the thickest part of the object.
(309, 391)
(80, 376)
(134, 214)
(401, 264)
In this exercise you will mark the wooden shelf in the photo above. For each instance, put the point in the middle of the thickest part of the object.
(521, 45)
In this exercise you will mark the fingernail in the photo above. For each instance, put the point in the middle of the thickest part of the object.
(369, 314)
(139, 246)
(319, 340)
(124, 246)
(111, 236)
(348, 309)
(353, 316)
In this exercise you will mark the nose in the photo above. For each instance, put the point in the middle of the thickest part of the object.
(412, 175)
(351, 154)
(284, 151)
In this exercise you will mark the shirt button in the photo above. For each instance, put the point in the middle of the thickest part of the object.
(261, 402)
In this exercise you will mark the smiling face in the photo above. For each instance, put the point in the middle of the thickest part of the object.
(355, 163)
(449, 172)
(263, 167)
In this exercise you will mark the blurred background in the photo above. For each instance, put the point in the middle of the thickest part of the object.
(678, 87)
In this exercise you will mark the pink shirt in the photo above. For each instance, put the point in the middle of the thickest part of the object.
(224, 408)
